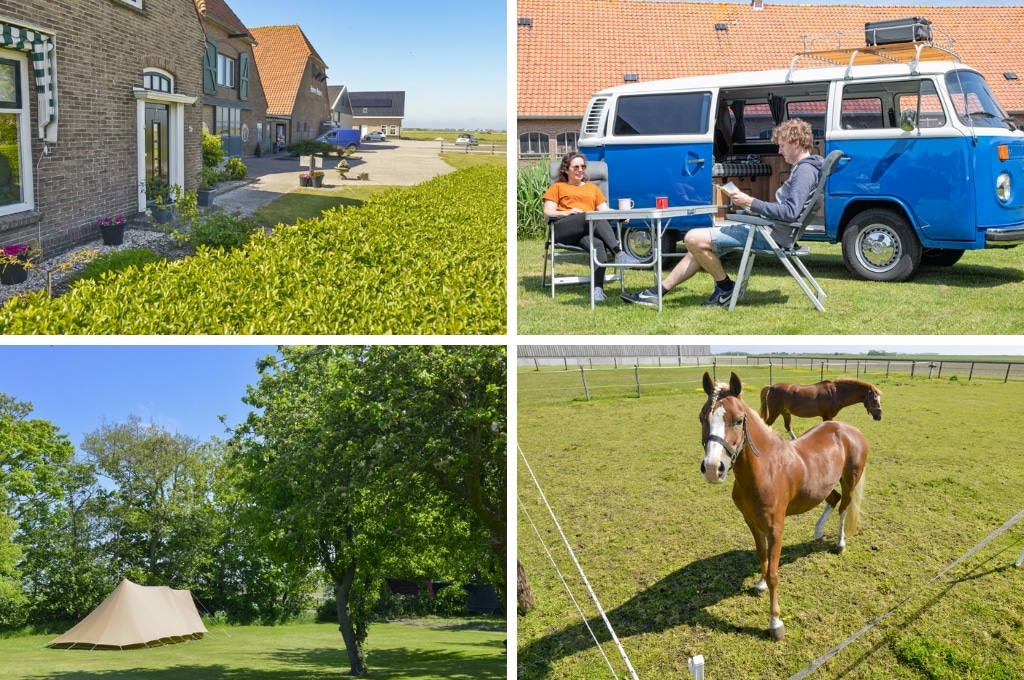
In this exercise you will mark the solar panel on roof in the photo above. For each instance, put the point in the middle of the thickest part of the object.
(373, 103)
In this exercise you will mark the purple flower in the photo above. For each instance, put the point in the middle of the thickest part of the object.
(16, 249)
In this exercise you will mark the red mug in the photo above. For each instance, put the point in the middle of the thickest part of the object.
(661, 202)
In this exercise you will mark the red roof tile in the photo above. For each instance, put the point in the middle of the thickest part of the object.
(281, 54)
(573, 48)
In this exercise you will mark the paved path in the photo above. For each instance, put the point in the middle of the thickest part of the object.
(392, 163)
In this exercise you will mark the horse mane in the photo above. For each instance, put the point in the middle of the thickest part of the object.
(859, 383)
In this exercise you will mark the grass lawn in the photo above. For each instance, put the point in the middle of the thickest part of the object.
(981, 294)
(298, 651)
(673, 564)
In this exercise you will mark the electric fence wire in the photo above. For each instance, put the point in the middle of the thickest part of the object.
(572, 597)
(572, 554)
(820, 661)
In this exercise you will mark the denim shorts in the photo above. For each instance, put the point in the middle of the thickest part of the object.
(734, 237)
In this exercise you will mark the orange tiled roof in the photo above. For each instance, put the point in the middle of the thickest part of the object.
(282, 54)
(219, 11)
(574, 48)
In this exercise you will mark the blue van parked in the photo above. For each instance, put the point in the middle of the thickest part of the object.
(346, 139)
(932, 165)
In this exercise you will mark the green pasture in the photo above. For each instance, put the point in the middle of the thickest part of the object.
(450, 135)
(292, 652)
(981, 294)
(673, 564)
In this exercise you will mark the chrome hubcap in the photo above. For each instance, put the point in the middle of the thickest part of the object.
(879, 248)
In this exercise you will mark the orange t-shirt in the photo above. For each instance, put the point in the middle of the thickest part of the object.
(585, 197)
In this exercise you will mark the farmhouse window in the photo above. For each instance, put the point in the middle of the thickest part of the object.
(15, 141)
(566, 142)
(40, 46)
(225, 71)
(533, 143)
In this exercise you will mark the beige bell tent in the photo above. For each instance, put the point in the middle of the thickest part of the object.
(137, 616)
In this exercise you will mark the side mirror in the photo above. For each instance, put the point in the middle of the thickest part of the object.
(908, 120)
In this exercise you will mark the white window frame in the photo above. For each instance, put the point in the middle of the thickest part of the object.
(225, 70)
(134, 3)
(24, 114)
(176, 129)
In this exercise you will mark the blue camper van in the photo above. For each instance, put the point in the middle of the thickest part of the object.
(932, 165)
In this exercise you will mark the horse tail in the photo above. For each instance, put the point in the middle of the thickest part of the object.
(764, 402)
(853, 510)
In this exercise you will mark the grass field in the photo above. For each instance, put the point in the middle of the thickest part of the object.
(301, 651)
(450, 135)
(673, 564)
(981, 294)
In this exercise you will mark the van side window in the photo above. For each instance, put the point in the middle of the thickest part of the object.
(932, 115)
(811, 111)
(861, 113)
(678, 113)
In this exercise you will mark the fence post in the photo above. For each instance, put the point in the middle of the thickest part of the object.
(888, 363)
(536, 364)
(913, 365)
(939, 376)
(586, 390)
(636, 372)
(1007, 376)
(771, 380)
(822, 371)
(971, 373)
(714, 368)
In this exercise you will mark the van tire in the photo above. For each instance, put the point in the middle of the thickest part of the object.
(351, 148)
(940, 257)
(880, 245)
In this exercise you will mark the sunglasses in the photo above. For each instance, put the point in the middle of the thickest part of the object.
(578, 167)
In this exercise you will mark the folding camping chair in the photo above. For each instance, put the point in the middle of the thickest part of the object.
(783, 239)
(597, 173)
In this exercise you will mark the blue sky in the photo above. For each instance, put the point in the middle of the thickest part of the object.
(449, 57)
(182, 388)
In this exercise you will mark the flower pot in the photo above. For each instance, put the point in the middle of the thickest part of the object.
(205, 197)
(12, 273)
(113, 234)
(318, 181)
(305, 181)
(163, 215)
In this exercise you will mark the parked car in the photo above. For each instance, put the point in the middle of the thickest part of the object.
(466, 139)
(375, 137)
(346, 139)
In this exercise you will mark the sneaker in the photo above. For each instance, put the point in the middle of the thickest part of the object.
(720, 298)
(599, 295)
(645, 297)
(622, 257)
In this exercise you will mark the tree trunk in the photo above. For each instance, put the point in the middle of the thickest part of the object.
(526, 601)
(342, 589)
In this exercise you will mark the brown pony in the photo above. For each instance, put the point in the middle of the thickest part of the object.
(775, 477)
(823, 399)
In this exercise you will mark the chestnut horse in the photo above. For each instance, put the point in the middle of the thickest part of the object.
(775, 477)
(823, 399)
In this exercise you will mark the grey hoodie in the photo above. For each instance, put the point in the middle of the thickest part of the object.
(792, 195)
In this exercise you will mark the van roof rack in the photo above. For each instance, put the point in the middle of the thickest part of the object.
(912, 53)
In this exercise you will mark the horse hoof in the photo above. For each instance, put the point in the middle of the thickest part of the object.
(778, 633)
(761, 587)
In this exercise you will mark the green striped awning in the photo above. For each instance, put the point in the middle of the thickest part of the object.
(41, 48)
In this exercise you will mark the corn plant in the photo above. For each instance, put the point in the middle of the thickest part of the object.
(531, 183)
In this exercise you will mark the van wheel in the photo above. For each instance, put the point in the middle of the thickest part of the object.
(879, 245)
(638, 242)
(941, 257)
(351, 148)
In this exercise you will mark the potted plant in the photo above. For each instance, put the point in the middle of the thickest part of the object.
(15, 261)
(112, 229)
(207, 178)
(304, 179)
(318, 178)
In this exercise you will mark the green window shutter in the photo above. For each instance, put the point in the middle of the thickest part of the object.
(210, 67)
(243, 76)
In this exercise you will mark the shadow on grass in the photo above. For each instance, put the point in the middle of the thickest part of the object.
(680, 599)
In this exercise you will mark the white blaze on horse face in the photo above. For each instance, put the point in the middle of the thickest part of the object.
(716, 460)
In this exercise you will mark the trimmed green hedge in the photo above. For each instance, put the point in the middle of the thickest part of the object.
(426, 260)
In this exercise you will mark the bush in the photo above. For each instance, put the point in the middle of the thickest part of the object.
(531, 183)
(427, 260)
(213, 154)
(311, 147)
(236, 169)
(116, 261)
(217, 229)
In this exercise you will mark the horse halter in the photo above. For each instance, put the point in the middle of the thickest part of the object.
(734, 453)
(869, 400)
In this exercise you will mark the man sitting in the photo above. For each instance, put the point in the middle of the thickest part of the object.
(705, 246)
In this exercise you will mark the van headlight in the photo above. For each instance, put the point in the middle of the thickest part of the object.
(1003, 189)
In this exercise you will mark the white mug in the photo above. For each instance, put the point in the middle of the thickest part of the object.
(625, 204)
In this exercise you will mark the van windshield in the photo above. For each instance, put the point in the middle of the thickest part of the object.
(678, 113)
(974, 103)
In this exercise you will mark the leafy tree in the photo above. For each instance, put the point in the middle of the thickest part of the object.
(31, 453)
(156, 510)
(332, 476)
